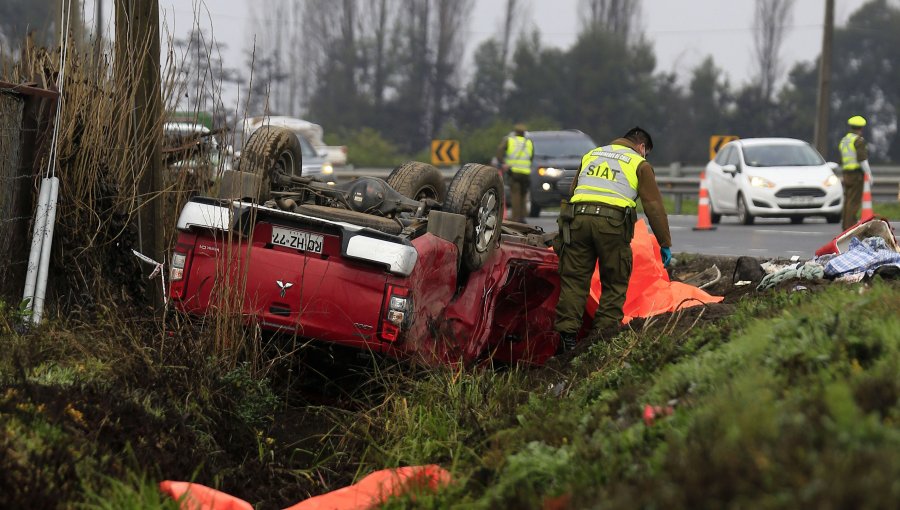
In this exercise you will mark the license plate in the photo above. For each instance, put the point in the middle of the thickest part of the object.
(297, 239)
(801, 200)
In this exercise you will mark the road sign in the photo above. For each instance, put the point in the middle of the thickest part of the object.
(445, 152)
(716, 142)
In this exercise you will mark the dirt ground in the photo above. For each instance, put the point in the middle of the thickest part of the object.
(696, 269)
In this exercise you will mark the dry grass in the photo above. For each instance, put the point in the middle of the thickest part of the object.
(101, 163)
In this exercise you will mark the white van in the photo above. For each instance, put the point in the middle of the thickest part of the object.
(334, 154)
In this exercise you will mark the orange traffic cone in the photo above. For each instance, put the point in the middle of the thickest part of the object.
(866, 199)
(704, 220)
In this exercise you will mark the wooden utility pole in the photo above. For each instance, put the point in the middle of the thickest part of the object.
(824, 100)
(137, 72)
(98, 33)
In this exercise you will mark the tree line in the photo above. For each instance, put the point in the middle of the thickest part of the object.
(387, 76)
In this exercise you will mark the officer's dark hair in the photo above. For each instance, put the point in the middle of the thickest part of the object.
(639, 135)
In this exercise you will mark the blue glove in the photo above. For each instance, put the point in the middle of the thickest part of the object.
(666, 253)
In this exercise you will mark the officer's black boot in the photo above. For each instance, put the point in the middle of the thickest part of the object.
(566, 343)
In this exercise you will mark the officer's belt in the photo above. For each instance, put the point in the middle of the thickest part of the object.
(600, 210)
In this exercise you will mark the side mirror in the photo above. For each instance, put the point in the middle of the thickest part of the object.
(833, 166)
(729, 169)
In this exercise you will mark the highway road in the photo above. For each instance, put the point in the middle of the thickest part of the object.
(767, 238)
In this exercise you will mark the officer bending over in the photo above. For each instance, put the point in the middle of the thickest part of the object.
(597, 224)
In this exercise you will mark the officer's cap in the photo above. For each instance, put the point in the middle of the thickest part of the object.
(856, 121)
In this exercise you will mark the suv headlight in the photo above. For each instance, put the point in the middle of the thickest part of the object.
(831, 180)
(327, 169)
(759, 182)
(550, 171)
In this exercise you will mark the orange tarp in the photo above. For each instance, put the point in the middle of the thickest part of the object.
(370, 492)
(194, 496)
(649, 291)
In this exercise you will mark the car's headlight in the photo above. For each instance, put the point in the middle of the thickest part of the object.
(759, 182)
(550, 172)
(831, 180)
(327, 169)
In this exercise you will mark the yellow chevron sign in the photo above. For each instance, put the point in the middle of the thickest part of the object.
(716, 142)
(444, 152)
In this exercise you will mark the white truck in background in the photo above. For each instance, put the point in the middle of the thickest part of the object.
(334, 154)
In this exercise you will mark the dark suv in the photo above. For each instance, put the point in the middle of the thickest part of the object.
(557, 158)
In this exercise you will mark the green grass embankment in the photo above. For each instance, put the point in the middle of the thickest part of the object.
(792, 401)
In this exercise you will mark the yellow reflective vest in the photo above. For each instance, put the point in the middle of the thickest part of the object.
(519, 152)
(608, 175)
(849, 159)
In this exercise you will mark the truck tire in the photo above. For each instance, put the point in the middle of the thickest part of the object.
(268, 152)
(476, 192)
(418, 181)
(379, 223)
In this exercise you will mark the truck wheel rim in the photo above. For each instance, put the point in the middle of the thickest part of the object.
(486, 221)
(283, 166)
(427, 192)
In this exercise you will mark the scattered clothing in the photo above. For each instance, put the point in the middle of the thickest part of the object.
(862, 257)
(810, 270)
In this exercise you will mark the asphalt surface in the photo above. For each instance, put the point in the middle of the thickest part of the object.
(767, 238)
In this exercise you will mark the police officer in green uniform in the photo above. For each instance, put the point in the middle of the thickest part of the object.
(597, 224)
(514, 155)
(855, 161)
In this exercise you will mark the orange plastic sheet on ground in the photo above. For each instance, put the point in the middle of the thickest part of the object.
(649, 291)
(370, 492)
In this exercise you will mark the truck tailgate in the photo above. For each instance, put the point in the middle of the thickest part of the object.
(297, 277)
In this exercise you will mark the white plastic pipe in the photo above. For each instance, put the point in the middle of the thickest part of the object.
(37, 240)
(41, 288)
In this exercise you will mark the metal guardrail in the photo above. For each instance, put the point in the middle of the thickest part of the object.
(674, 180)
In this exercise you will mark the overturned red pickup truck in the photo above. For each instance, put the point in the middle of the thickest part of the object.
(405, 266)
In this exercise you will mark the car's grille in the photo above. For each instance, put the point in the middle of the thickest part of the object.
(800, 192)
(800, 206)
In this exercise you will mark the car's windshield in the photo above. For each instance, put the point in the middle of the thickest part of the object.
(781, 155)
(563, 147)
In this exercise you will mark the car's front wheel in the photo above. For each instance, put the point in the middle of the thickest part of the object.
(743, 212)
(714, 217)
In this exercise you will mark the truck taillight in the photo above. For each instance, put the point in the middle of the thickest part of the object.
(396, 313)
(181, 263)
(176, 271)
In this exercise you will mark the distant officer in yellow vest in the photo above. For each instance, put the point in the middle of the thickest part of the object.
(514, 155)
(855, 162)
(597, 224)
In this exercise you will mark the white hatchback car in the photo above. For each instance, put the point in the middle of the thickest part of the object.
(772, 177)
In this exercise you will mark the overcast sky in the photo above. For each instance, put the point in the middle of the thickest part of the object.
(683, 32)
